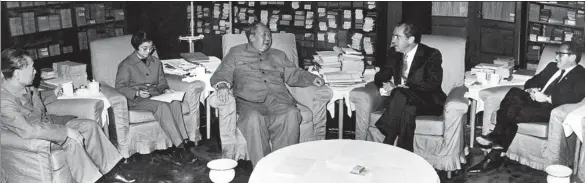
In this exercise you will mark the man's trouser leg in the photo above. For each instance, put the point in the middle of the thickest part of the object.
(98, 156)
(252, 124)
(283, 125)
(169, 116)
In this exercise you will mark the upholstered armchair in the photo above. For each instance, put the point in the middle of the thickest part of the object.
(536, 144)
(312, 101)
(34, 160)
(137, 131)
(438, 139)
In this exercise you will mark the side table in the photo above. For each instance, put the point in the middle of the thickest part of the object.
(477, 103)
(574, 123)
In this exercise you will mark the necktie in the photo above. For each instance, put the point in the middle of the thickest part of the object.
(554, 83)
(404, 68)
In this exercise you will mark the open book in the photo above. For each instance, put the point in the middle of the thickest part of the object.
(169, 97)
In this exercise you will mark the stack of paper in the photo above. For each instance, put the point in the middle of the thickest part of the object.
(341, 78)
(328, 61)
(352, 61)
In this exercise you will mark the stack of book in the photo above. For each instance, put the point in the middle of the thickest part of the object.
(545, 15)
(196, 57)
(328, 61)
(352, 61)
(71, 71)
(534, 14)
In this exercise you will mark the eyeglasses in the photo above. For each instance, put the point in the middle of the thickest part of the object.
(562, 53)
(143, 48)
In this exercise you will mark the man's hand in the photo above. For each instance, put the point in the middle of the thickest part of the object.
(75, 135)
(223, 94)
(388, 86)
(532, 90)
(167, 91)
(538, 96)
(402, 86)
(143, 93)
(318, 81)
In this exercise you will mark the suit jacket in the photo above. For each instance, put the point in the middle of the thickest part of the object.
(254, 75)
(134, 74)
(23, 112)
(571, 88)
(425, 76)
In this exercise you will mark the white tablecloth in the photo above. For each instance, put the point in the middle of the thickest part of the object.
(574, 123)
(99, 96)
(331, 161)
(473, 92)
(342, 92)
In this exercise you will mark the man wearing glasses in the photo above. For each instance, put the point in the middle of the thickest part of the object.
(561, 82)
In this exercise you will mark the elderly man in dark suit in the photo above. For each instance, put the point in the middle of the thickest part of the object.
(267, 112)
(412, 77)
(561, 82)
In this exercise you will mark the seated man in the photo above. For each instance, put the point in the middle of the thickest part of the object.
(268, 116)
(412, 77)
(561, 82)
(89, 152)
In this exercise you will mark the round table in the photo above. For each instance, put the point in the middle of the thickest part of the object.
(331, 161)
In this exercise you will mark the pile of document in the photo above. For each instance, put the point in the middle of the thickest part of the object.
(352, 61)
(342, 78)
(71, 71)
(503, 70)
(328, 61)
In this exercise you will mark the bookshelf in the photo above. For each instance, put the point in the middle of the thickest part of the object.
(55, 31)
(550, 23)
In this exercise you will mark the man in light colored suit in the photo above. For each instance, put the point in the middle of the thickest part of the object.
(267, 113)
(89, 152)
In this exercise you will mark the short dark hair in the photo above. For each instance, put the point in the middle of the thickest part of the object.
(13, 59)
(410, 30)
(138, 38)
(575, 47)
(251, 29)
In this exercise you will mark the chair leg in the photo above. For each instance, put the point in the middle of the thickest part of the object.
(449, 174)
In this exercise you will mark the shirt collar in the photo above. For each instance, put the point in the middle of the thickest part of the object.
(251, 49)
(410, 54)
(15, 90)
(137, 59)
(567, 70)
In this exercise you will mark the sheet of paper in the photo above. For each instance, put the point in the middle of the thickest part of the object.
(347, 14)
(286, 17)
(359, 14)
(251, 3)
(371, 4)
(307, 7)
(294, 166)
(320, 36)
(295, 5)
(331, 37)
(332, 23)
(169, 97)
(322, 26)
(368, 47)
(310, 15)
(347, 25)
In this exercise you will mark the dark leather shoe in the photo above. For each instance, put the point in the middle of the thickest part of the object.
(119, 178)
(486, 165)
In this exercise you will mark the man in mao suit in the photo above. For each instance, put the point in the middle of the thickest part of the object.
(561, 82)
(412, 76)
(267, 113)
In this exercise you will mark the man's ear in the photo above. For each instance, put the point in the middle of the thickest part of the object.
(411, 39)
(573, 57)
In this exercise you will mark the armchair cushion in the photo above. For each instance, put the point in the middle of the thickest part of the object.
(80, 108)
(425, 125)
(539, 129)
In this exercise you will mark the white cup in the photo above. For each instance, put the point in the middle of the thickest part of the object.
(481, 77)
(494, 79)
(67, 88)
(94, 87)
